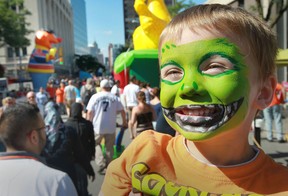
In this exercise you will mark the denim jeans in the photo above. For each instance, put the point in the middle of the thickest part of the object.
(270, 114)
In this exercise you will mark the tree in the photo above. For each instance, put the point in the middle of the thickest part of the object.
(281, 7)
(13, 25)
(179, 6)
(88, 63)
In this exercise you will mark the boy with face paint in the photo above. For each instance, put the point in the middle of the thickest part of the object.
(217, 70)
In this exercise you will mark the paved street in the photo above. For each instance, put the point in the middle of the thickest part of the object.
(279, 152)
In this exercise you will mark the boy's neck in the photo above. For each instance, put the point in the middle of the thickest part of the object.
(222, 153)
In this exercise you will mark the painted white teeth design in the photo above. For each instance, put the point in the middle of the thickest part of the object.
(195, 119)
(225, 118)
(235, 105)
(212, 128)
(200, 112)
(229, 109)
(202, 118)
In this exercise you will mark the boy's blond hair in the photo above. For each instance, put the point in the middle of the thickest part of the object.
(260, 39)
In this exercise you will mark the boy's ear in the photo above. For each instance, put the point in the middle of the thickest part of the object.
(266, 93)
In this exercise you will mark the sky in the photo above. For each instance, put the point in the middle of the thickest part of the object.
(105, 22)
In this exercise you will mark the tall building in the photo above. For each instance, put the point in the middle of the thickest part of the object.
(80, 26)
(54, 15)
(95, 51)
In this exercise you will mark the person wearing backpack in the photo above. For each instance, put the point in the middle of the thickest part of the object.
(87, 91)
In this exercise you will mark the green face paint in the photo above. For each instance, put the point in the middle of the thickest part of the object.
(204, 87)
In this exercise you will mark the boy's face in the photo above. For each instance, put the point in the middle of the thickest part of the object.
(205, 85)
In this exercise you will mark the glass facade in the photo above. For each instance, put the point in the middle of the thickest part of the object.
(80, 26)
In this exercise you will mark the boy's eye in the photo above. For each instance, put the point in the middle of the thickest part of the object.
(171, 73)
(216, 65)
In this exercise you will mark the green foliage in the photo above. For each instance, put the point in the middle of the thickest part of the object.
(179, 6)
(88, 63)
(13, 25)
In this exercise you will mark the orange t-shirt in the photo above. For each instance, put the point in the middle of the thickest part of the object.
(60, 95)
(157, 164)
(278, 97)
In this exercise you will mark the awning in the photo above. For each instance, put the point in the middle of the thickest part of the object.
(282, 58)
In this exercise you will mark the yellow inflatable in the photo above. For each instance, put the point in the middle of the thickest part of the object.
(153, 17)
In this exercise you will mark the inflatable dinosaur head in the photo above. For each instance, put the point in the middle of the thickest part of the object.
(46, 38)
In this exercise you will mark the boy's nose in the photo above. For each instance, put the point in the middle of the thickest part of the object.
(189, 89)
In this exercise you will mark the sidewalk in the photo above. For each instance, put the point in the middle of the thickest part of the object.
(278, 151)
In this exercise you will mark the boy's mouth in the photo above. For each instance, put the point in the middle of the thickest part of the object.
(202, 118)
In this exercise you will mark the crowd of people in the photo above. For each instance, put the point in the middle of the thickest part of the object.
(209, 154)
(88, 134)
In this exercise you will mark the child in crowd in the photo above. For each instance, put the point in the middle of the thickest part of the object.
(217, 70)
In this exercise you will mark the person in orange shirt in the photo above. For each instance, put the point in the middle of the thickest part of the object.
(217, 69)
(60, 98)
(274, 111)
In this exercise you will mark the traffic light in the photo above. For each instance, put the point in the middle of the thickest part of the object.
(60, 53)
(61, 60)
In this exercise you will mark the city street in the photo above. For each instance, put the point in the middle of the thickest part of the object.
(278, 151)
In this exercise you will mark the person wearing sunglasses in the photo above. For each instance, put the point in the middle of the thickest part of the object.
(22, 130)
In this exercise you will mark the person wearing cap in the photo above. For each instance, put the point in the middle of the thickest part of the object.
(102, 110)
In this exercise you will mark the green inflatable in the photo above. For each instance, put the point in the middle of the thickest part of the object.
(140, 63)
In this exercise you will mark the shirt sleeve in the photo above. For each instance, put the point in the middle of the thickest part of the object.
(66, 187)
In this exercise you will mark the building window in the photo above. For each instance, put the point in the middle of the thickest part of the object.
(10, 52)
(24, 51)
(17, 52)
(241, 3)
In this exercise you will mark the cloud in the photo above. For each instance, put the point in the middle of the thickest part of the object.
(109, 32)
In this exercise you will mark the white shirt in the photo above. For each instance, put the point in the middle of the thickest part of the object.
(115, 90)
(104, 107)
(41, 98)
(130, 92)
(70, 92)
(31, 177)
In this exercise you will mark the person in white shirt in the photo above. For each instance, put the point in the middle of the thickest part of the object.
(42, 98)
(115, 89)
(102, 111)
(130, 98)
(23, 172)
(69, 95)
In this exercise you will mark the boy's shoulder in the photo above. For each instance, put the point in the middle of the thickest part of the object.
(148, 144)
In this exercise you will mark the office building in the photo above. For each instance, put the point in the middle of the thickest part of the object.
(80, 26)
(53, 15)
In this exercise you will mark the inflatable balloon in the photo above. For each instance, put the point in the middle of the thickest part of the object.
(153, 17)
(142, 62)
(41, 63)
